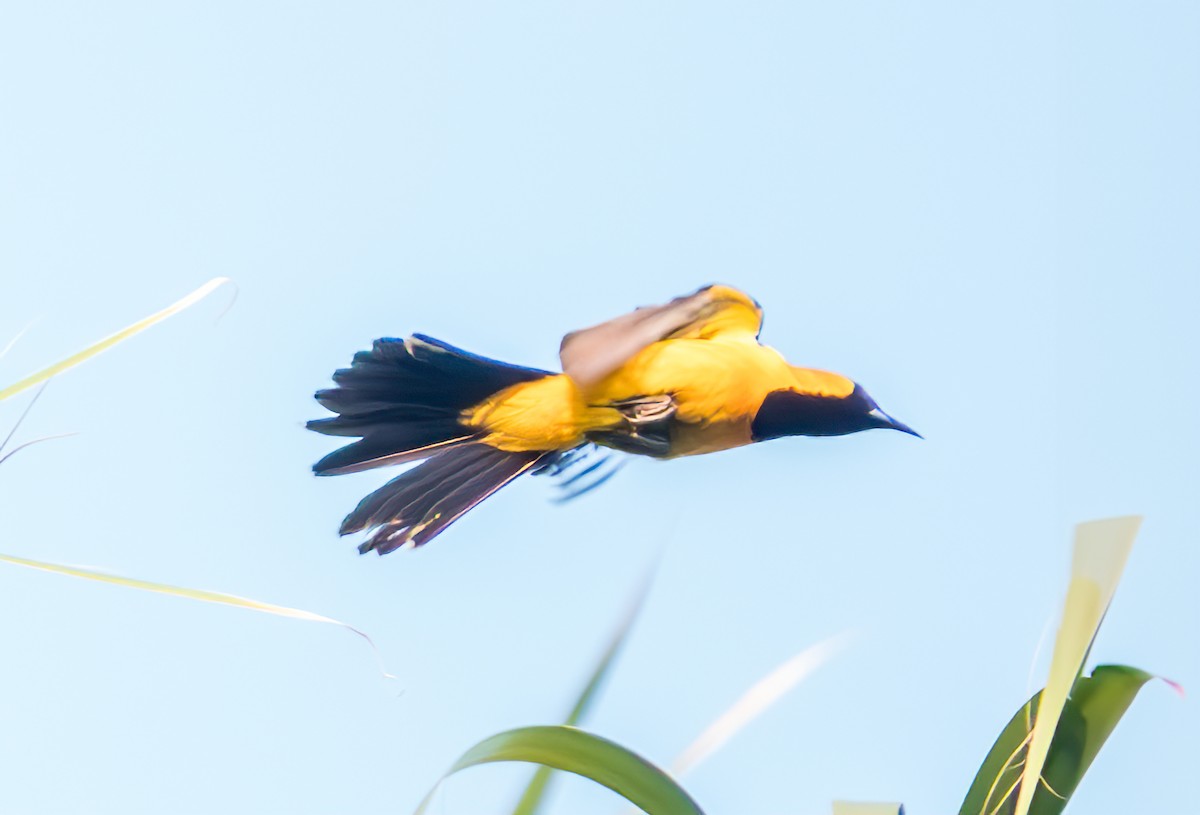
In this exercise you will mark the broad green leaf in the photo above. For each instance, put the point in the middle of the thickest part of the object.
(576, 751)
(191, 594)
(531, 800)
(1101, 549)
(757, 700)
(1101, 701)
(108, 342)
(1095, 705)
(854, 808)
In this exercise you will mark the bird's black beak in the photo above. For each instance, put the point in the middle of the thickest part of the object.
(885, 421)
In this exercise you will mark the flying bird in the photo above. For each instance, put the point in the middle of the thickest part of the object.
(679, 379)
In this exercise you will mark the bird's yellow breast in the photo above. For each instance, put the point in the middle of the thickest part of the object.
(717, 386)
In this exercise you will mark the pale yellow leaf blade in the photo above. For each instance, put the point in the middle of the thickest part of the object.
(111, 340)
(1101, 550)
(757, 700)
(859, 808)
(203, 595)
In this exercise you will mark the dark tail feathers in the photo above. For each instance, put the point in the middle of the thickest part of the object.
(403, 399)
(414, 507)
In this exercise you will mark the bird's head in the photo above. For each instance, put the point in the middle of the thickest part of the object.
(820, 403)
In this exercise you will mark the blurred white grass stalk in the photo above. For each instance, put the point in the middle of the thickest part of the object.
(111, 340)
(1101, 549)
(192, 594)
(757, 700)
(16, 338)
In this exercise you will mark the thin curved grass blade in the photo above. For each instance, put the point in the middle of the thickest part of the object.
(1101, 549)
(1095, 705)
(6, 456)
(531, 800)
(757, 700)
(21, 420)
(585, 754)
(111, 340)
(203, 595)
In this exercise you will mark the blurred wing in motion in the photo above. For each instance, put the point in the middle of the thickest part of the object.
(591, 354)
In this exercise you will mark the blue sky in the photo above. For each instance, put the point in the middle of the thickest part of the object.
(986, 215)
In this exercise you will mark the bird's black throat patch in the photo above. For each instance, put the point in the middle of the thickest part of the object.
(790, 413)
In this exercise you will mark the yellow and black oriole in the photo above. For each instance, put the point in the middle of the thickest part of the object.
(680, 379)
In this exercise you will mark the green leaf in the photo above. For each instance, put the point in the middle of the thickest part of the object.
(582, 753)
(1102, 700)
(531, 800)
(111, 340)
(1095, 705)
